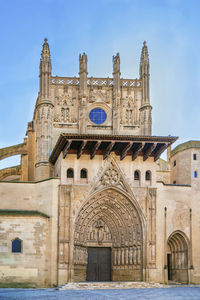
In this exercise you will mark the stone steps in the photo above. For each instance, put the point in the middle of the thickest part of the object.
(110, 285)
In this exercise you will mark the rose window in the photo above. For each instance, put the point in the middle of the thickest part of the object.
(111, 176)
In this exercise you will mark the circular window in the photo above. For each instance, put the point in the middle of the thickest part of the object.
(97, 116)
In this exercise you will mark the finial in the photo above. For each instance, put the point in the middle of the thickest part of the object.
(144, 43)
(45, 49)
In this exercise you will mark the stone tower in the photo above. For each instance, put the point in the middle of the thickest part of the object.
(145, 109)
(44, 117)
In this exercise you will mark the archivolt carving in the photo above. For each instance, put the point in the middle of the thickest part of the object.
(99, 232)
(109, 217)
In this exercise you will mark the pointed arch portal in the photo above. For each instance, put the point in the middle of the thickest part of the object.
(177, 257)
(110, 220)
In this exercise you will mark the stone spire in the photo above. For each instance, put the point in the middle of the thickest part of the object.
(116, 94)
(45, 71)
(144, 57)
(144, 73)
(145, 109)
(83, 74)
(116, 73)
(45, 50)
(83, 93)
(44, 117)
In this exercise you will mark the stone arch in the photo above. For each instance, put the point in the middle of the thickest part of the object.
(13, 150)
(177, 256)
(11, 173)
(110, 218)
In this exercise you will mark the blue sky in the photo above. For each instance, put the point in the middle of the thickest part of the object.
(102, 28)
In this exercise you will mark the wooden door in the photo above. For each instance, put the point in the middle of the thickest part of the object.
(99, 264)
(169, 266)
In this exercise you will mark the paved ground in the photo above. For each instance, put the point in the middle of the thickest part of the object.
(172, 293)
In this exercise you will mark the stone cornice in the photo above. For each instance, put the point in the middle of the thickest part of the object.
(21, 212)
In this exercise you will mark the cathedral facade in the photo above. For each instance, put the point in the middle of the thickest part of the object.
(92, 200)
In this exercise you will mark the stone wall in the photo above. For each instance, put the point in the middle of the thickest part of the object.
(32, 264)
(38, 233)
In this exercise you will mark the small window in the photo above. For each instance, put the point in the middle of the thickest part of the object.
(83, 173)
(195, 174)
(174, 163)
(70, 173)
(136, 175)
(148, 175)
(194, 156)
(16, 246)
(174, 182)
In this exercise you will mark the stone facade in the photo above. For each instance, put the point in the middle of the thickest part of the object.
(90, 178)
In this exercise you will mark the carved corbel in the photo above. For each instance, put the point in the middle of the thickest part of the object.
(67, 146)
(95, 148)
(125, 150)
(139, 148)
(160, 151)
(108, 149)
(149, 150)
(82, 147)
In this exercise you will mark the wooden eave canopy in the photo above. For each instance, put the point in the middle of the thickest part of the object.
(122, 145)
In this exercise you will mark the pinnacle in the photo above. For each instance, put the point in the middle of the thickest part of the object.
(144, 53)
(45, 50)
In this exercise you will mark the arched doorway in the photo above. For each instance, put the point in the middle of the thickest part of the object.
(177, 257)
(108, 220)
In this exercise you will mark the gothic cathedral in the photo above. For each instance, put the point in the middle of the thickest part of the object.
(92, 200)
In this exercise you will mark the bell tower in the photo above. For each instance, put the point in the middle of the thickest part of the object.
(145, 109)
(44, 117)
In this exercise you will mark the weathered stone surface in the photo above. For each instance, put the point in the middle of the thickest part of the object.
(103, 191)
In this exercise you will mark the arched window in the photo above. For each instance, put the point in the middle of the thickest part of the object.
(16, 246)
(137, 175)
(70, 173)
(195, 174)
(148, 175)
(83, 173)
